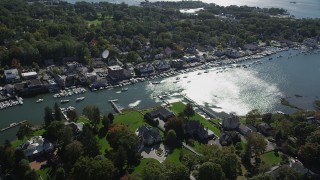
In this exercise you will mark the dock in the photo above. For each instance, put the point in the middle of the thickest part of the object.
(116, 108)
(203, 109)
(12, 126)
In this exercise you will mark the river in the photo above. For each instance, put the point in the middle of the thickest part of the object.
(236, 90)
(300, 9)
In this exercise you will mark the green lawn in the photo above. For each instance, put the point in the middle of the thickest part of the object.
(143, 163)
(131, 118)
(44, 172)
(38, 132)
(94, 22)
(270, 158)
(174, 157)
(178, 107)
(103, 144)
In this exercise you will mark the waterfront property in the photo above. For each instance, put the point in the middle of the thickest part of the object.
(148, 136)
(36, 146)
(160, 113)
(231, 122)
(196, 130)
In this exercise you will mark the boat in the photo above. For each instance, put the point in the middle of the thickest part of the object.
(270, 58)
(70, 108)
(113, 100)
(124, 89)
(39, 100)
(177, 78)
(80, 99)
(64, 101)
(206, 71)
(199, 73)
(155, 82)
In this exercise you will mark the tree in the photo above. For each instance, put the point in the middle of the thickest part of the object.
(120, 135)
(154, 170)
(57, 112)
(60, 174)
(174, 171)
(171, 138)
(252, 116)
(59, 133)
(24, 130)
(72, 152)
(89, 142)
(263, 177)
(72, 115)
(176, 124)
(31, 175)
(93, 168)
(106, 123)
(93, 114)
(189, 111)
(209, 170)
(257, 143)
(22, 168)
(310, 153)
(286, 172)
(230, 166)
(119, 158)
(111, 118)
(48, 117)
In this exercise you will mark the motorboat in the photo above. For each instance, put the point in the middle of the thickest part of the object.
(39, 100)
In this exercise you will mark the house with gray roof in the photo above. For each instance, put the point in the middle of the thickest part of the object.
(11, 75)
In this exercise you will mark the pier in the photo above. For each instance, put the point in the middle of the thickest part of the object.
(12, 125)
(203, 109)
(116, 108)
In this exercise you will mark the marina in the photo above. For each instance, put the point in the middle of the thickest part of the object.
(226, 88)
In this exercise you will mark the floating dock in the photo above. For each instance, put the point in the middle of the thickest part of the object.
(12, 125)
(116, 108)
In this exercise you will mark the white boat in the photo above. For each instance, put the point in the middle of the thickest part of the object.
(80, 98)
(39, 100)
(124, 89)
(64, 101)
(113, 100)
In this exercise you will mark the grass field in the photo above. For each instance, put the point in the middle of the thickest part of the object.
(133, 119)
(270, 158)
(143, 163)
(178, 107)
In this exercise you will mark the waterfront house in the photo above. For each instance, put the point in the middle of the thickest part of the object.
(29, 75)
(161, 66)
(160, 113)
(177, 63)
(148, 136)
(98, 63)
(144, 69)
(250, 47)
(116, 73)
(91, 77)
(11, 75)
(196, 129)
(76, 127)
(245, 129)
(231, 123)
(31, 87)
(225, 139)
(36, 146)
(265, 129)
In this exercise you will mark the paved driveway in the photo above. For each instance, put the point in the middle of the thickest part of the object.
(150, 152)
